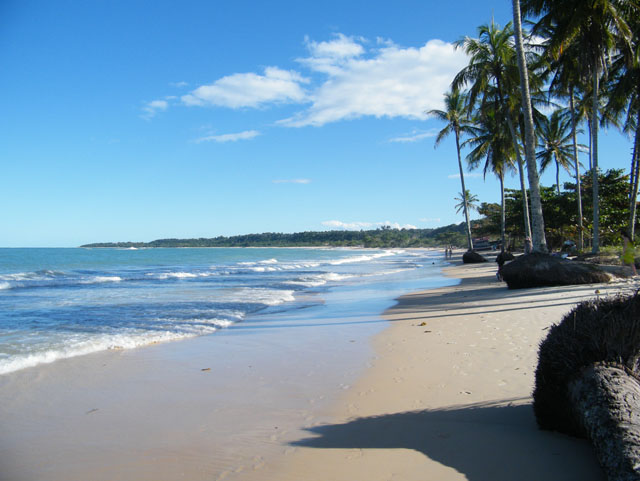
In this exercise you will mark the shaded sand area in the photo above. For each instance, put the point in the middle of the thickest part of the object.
(448, 395)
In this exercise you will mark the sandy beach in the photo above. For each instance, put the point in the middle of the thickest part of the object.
(443, 394)
(448, 396)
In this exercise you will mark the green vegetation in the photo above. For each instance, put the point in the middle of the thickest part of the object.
(383, 237)
(581, 59)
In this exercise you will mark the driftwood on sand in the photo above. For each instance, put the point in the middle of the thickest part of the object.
(540, 270)
(588, 385)
(472, 257)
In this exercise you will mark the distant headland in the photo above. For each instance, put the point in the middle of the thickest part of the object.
(382, 237)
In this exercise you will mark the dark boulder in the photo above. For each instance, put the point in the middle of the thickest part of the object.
(542, 270)
(472, 257)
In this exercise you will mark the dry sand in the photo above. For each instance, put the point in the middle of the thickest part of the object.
(448, 395)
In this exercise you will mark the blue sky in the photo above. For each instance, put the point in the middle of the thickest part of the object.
(130, 120)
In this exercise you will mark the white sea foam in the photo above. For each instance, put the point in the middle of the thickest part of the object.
(269, 261)
(260, 295)
(180, 275)
(101, 279)
(5, 285)
(363, 258)
(125, 340)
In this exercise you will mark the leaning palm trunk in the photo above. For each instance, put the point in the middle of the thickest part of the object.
(538, 237)
(587, 382)
(577, 168)
(635, 171)
(594, 156)
(464, 194)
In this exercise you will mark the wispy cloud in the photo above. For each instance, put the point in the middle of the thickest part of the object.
(250, 90)
(337, 224)
(469, 175)
(415, 136)
(246, 135)
(152, 108)
(292, 181)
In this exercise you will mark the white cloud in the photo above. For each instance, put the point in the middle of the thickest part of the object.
(415, 136)
(350, 77)
(250, 90)
(431, 220)
(292, 181)
(388, 82)
(178, 84)
(469, 175)
(246, 135)
(337, 224)
(153, 107)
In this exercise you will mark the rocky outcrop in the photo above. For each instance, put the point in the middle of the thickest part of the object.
(472, 257)
(542, 270)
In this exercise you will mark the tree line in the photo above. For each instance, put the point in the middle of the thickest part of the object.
(581, 60)
(384, 237)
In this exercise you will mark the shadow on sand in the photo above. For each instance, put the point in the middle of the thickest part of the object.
(486, 442)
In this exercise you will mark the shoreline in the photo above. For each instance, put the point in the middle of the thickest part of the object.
(448, 394)
(209, 407)
(436, 387)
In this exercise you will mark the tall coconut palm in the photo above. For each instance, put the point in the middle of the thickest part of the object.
(492, 65)
(538, 237)
(456, 117)
(556, 139)
(492, 144)
(624, 96)
(594, 26)
(566, 83)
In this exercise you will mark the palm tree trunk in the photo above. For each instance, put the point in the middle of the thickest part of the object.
(502, 213)
(606, 400)
(635, 167)
(577, 168)
(557, 176)
(464, 194)
(538, 237)
(594, 154)
(523, 187)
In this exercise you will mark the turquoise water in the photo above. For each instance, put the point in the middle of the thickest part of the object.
(61, 303)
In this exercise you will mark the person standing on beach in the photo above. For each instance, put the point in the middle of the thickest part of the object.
(628, 252)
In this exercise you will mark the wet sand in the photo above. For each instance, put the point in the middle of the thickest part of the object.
(448, 395)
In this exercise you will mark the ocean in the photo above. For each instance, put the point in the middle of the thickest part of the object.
(61, 303)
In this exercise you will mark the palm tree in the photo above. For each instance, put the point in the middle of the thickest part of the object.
(492, 67)
(538, 237)
(594, 26)
(492, 143)
(469, 201)
(556, 137)
(624, 96)
(567, 82)
(456, 117)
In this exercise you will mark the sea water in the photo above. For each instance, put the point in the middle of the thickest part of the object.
(61, 303)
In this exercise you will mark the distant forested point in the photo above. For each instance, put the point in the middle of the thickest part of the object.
(383, 237)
